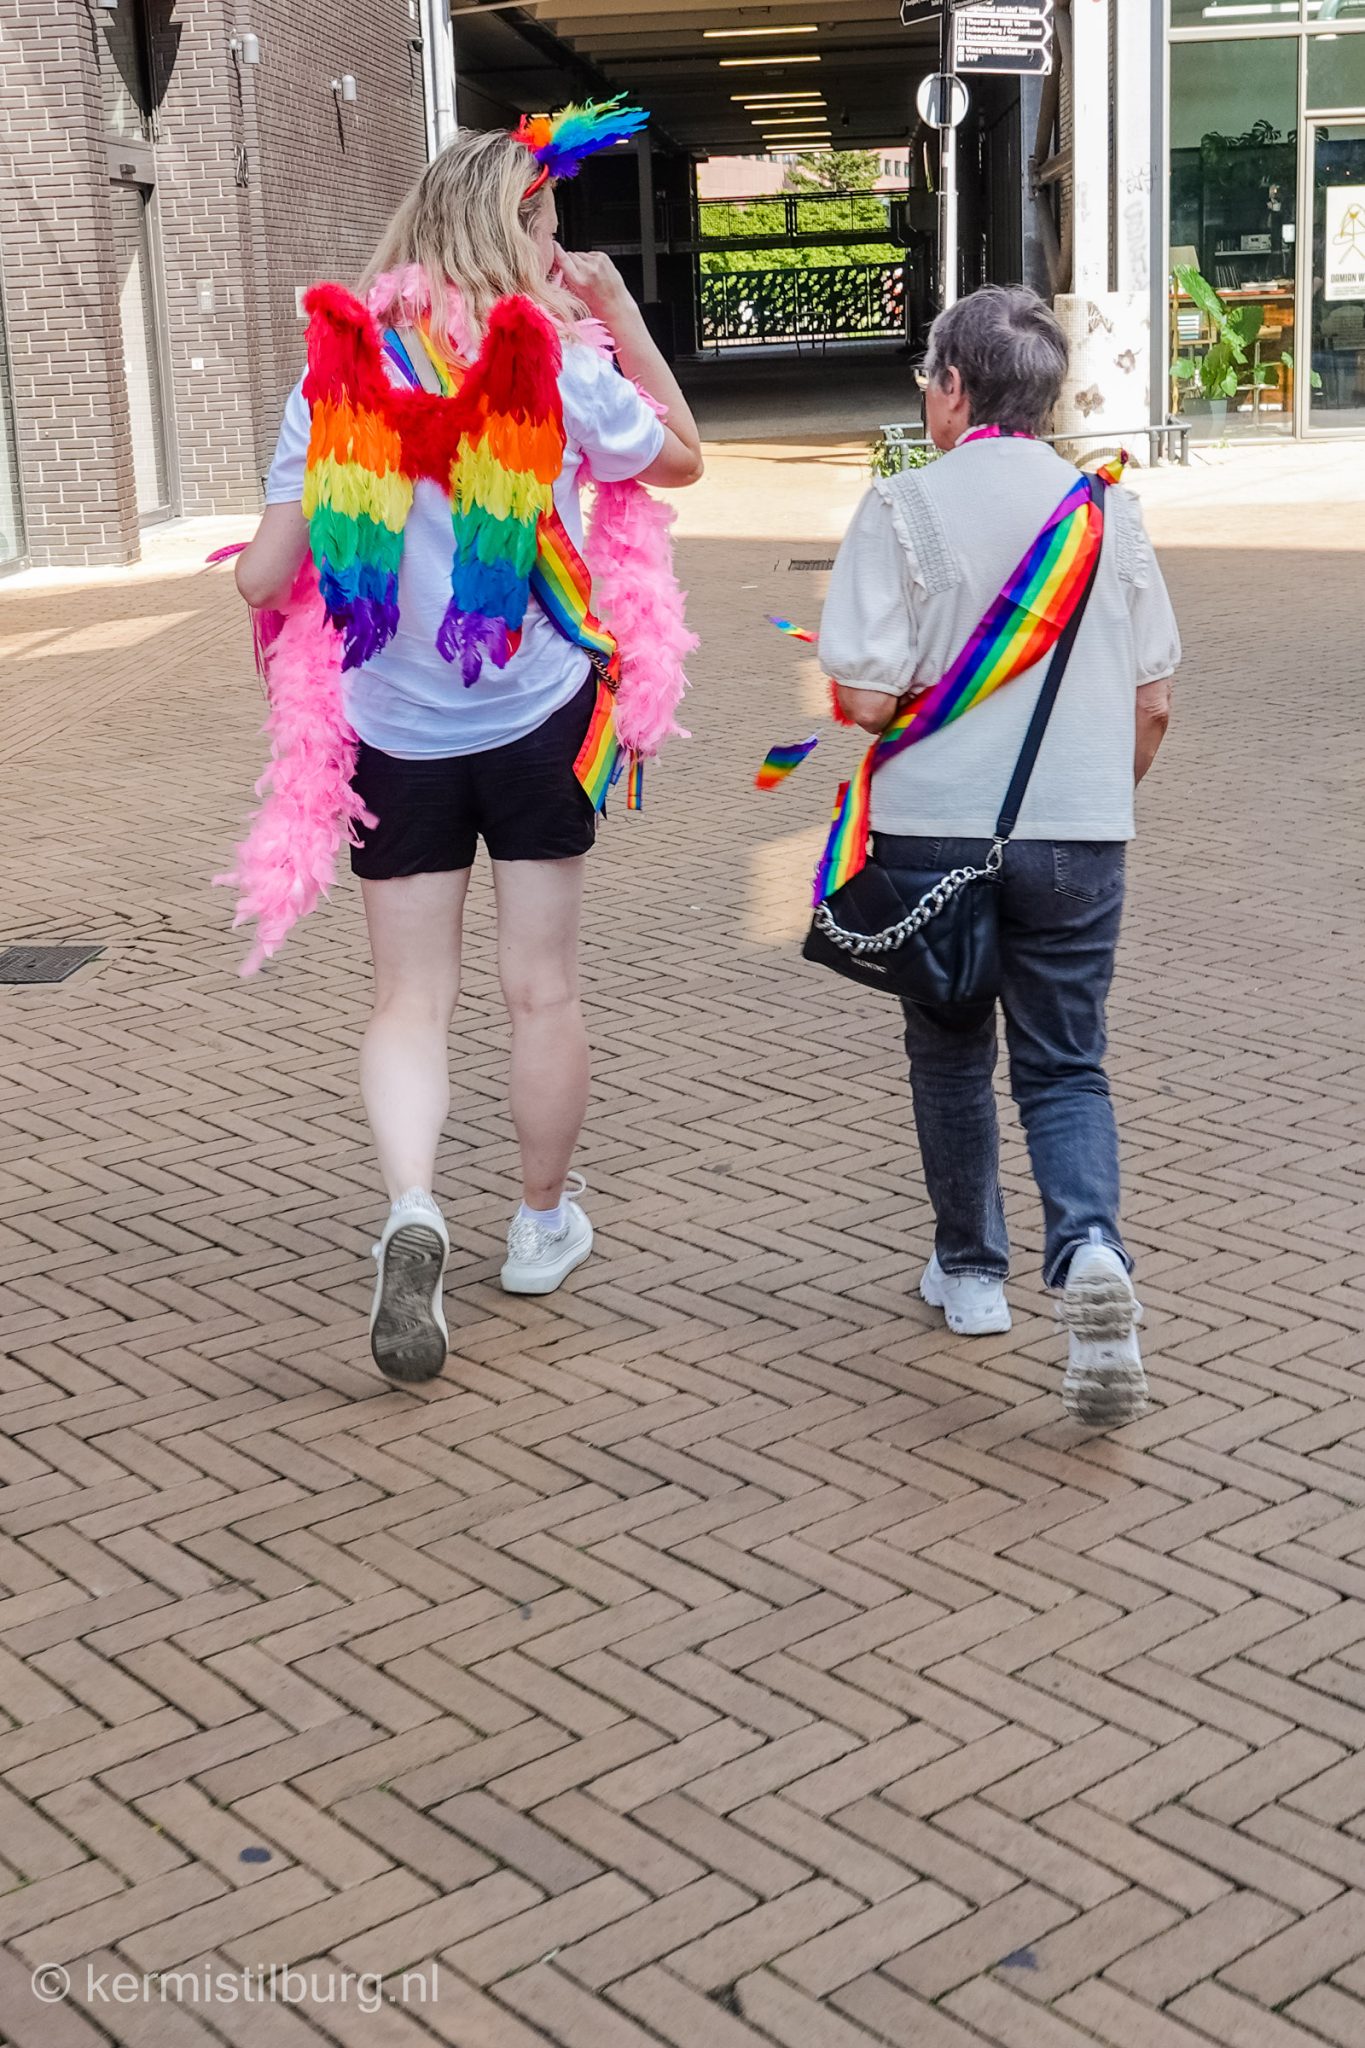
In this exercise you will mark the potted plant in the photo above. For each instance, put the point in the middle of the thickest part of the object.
(1227, 365)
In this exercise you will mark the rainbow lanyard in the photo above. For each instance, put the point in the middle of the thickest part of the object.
(1022, 626)
(562, 586)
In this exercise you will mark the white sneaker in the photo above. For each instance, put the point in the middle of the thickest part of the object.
(539, 1259)
(972, 1304)
(408, 1335)
(1105, 1384)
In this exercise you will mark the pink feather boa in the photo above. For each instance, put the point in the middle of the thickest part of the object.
(629, 552)
(309, 810)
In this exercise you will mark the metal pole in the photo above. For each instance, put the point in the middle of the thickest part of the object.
(438, 74)
(947, 182)
(649, 252)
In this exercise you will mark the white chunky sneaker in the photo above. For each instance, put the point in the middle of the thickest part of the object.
(973, 1306)
(408, 1335)
(539, 1259)
(1105, 1384)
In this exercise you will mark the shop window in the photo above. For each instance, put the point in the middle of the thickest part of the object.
(1232, 13)
(1336, 72)
(1234, 165)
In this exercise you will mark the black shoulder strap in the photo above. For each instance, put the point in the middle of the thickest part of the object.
(1047, 696)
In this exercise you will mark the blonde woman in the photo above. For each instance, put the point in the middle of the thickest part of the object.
(472, 724)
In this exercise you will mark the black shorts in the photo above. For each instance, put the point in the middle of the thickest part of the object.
(523, 800)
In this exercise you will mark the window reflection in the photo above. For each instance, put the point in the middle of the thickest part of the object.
(124, 83)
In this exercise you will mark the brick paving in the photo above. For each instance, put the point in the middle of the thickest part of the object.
(719, 1651)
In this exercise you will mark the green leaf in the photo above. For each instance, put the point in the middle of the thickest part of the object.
(1228, 388)
(1183, 370)
(1248, 321)
(1196, 286)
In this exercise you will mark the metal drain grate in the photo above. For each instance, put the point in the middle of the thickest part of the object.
(44, 963)
(814, 562)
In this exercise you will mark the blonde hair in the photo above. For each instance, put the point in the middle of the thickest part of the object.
(467, 222)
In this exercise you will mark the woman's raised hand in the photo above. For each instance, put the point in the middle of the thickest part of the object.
(595, 280)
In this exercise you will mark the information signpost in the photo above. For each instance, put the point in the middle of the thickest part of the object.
(1003, 36)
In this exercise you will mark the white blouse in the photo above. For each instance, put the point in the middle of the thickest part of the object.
(927, 553)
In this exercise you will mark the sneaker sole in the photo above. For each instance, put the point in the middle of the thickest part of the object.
(993, 1326)
(547, 1281)
(407, 1340)
(1101, 1387)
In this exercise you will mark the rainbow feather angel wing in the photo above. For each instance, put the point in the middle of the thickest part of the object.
(561, 142)
(502, 479)
(356, 497)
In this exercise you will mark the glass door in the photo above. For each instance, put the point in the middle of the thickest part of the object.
(1334, 395)
(141, 328)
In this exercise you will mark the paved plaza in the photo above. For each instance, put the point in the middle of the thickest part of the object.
(719, 1653)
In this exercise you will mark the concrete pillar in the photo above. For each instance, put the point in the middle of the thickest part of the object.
(1090, 140)
(1135, 169)
(1108, 314)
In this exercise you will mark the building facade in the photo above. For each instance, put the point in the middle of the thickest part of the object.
(1265, 220)
(1188, 186)
(172, 173)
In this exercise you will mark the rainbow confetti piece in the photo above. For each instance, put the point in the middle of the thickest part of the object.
(792, 632)
(780, 762)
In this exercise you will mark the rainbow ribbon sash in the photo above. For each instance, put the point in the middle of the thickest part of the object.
(562, 586)
(1021, 628)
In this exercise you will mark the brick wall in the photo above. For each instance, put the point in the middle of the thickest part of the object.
(330, 174)
(204, 242)
(262, 182)
(71, 406)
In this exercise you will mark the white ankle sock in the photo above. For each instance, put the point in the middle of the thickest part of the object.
(548, 1219)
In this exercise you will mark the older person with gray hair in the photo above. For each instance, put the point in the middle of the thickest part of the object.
(928, 553)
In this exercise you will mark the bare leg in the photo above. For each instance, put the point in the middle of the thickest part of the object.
(538, 914)
(414, 923)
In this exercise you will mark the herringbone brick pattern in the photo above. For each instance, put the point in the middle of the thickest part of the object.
(719, 1652)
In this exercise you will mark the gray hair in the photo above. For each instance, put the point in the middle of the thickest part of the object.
(1010, 353)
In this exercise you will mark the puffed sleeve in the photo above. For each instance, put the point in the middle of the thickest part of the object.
(284, 484)
(867, 632)
(1156, 636)
(604, 413)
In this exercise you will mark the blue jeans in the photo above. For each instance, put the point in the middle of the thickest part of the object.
(1061, 904)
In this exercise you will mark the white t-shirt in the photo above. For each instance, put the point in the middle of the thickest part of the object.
(407, 700)
(926, 555)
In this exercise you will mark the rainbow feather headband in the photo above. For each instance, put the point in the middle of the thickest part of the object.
(561, 142)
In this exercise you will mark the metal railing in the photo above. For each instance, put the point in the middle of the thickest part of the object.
(899, 439)
(847, 302)
(808, 218)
